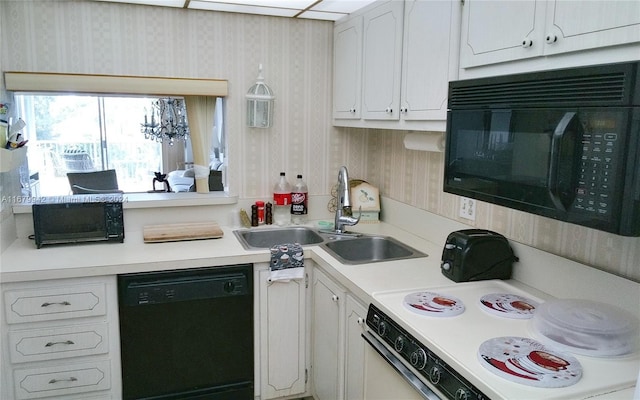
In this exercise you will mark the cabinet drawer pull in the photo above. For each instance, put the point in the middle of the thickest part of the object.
(62, 303)
(334, 298)
(49, 344)
(527, 43)
(360, 321)
(71, 379)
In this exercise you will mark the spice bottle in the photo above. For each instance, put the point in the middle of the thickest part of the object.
(260, 205)
(268, 214)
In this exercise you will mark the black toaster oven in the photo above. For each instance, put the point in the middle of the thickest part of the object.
(78, 221)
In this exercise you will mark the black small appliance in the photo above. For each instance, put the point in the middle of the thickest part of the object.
(564, 144)
(475, 255)
(78, 221)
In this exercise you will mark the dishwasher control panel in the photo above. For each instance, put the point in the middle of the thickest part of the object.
(168, 287)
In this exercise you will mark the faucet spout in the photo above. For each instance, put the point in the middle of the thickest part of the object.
(343, 210)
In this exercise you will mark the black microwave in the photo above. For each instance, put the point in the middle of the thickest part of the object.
(78, 221)
(564, 144)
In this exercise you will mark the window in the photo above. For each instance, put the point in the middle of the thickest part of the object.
(79, 133)
(205, 95)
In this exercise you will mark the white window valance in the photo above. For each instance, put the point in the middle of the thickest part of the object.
(116, 84)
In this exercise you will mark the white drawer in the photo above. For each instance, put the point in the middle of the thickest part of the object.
(46, 304)
(60, 342)
(62, 380)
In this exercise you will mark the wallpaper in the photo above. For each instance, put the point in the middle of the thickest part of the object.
(78, 36)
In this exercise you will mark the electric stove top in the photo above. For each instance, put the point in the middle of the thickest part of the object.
(480, 330)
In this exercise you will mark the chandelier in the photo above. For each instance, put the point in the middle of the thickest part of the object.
(168, 121)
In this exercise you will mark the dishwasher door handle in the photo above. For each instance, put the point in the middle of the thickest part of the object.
(395, 362)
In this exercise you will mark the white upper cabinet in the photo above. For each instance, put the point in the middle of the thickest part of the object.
(409, 53)
(382, 48)
(580, 25)
(429, 58)
(499, 31)
(347, 67)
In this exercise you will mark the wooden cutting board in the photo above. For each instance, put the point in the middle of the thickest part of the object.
(182, 231)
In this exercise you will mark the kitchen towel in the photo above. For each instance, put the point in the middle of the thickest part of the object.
(287, 262)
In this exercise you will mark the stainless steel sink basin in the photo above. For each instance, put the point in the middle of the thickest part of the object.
(369, 249)
(252, 239)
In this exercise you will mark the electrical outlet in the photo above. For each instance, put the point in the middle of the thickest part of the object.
(468, 208)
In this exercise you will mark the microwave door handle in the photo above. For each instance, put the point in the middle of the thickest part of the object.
(554, 159)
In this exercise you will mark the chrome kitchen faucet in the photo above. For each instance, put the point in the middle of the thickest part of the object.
(343, 208)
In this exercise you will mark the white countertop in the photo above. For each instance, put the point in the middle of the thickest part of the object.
(23, 262)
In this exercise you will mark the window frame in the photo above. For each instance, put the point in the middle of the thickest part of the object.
(17, 81)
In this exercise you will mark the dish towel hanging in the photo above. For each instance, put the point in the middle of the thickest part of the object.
(287, 262)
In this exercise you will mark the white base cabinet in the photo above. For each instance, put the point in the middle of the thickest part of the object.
(327, 356)
(281, 335)
(60, 339)
(337, 348)
(356, 315)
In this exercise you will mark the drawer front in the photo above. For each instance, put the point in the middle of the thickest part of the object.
(55, 303)
(61, 380)
(56, 343)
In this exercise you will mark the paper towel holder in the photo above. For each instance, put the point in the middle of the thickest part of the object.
(425, 141)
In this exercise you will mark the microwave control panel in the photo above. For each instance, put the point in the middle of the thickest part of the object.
(594, 193)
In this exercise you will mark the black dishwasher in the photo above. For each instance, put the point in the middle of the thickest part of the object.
(187, 334)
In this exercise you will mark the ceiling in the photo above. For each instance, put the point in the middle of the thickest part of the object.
(330, 10)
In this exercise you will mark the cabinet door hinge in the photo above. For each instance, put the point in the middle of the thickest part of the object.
(306, 375)
(306, 280)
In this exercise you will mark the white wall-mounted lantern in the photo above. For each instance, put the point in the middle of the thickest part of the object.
(260, 101)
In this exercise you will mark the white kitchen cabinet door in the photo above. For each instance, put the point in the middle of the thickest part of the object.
(347, 69)
(356, 315)
(579, 25)
(429, 60)
(381, 61)
(282, 336)
(327, 337)
(498, 31)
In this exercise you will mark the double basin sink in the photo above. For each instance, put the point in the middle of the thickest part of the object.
(346, 248)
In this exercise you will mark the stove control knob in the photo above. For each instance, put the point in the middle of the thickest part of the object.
(435, 374)
(446, 265)
(418, 359)
(399, 343)
(382, 329)
(463, 394)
